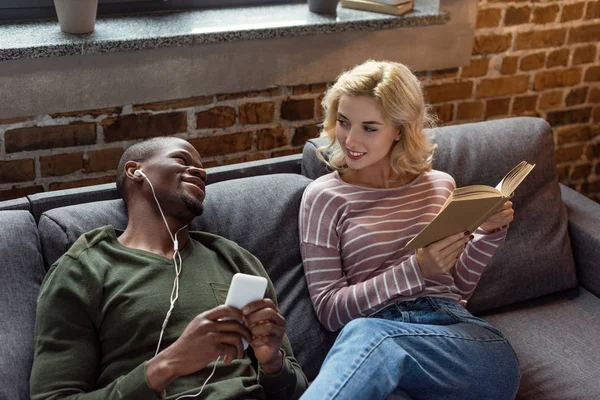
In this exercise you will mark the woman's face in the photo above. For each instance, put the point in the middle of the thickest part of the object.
(363, 134)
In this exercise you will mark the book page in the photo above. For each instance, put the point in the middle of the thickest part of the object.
(514, 178)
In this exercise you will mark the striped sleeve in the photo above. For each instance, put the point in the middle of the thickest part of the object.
(475, 258)
(335, 299)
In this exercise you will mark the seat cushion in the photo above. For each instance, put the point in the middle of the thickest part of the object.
(557, 343)
(536, 258)
(260, 214)
(21, 273)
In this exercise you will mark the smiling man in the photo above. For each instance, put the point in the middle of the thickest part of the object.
(139, 314)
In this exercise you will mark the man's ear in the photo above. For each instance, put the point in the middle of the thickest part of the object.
(130, 168)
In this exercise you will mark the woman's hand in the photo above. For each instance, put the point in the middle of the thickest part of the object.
(439, 257)
(500, 218)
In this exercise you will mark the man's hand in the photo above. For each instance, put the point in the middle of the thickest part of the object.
(439, 257)
(205, 338)
(267, 327)
(500, 218)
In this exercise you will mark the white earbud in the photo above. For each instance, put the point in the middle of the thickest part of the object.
(140, 173)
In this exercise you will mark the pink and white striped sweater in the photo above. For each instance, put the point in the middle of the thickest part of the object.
(351, 239)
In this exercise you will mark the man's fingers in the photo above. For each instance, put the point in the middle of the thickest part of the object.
(232, 326)
(223, 311)
(267, 329)
(265, 315)
(258, 305)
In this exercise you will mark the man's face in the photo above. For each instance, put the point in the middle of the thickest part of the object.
(178, 178)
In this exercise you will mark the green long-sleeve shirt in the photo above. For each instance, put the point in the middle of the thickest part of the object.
(99, 317)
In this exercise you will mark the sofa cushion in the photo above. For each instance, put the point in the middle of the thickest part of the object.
(21, 273)
(536, 258)
(556, 341)
(260, 214)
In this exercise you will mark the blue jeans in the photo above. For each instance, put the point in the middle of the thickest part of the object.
(428, 348)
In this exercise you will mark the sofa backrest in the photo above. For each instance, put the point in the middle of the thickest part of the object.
(259, 213)
(536, 258)
(21, 273)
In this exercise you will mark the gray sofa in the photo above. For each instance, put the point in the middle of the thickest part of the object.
(542, 287)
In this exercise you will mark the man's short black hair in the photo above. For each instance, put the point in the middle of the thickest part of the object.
(139, 152)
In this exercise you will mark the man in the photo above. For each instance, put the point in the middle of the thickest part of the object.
(106, 327)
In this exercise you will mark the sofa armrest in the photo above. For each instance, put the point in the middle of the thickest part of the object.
(584, 230)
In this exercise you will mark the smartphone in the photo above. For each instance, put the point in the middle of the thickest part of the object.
(245, 289)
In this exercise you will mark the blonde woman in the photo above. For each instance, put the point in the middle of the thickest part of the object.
(404, 327)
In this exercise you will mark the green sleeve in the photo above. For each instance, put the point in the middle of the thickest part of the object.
(67, 354)
(290, 382)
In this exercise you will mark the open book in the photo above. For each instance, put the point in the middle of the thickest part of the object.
(470, 206)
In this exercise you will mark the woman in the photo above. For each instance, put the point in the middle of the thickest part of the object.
(404, 328)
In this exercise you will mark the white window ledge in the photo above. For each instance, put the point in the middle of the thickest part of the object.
(154, 57)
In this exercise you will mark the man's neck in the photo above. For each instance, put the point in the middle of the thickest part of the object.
(148, 232)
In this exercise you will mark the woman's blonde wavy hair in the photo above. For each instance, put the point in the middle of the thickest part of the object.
(399, 97)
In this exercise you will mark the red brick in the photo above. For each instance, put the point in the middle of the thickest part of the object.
(318, 87)
(509, 65)
(15, 120)
(594, 95)
(142, 126)
(271, 138)
(443, 73)
(488, 18)
(503, 86)
(574, 116)
(533, 61)
(449, 91)
(301, 89)
(295, 110)
(517, 15)
(93, 113)
(571, 12)
(256, 113)
(587, 33)
(271, 92)
(477, 67)
(540, 39)
(592, 74)
(61, 164)
(574, 134)
(524, 104)
(16, 193)
(484, 44)
(576, 96)
(558, 58)
(568, 154)
(469, 110)
(305, 133)
(175, 104)
(593, 10)
(545, 15)
(584, 55)
(592, 151)
(103, 160)
(17, 170)
(82, 182)
(215, 145)
(550, 100)
(216, 117)
(444, 112)
(596, 114)
(209, 164)
(286, 152)
(563, 172)
(557, 78)
(496, 107)
(48, 137)
(581, 171)
(228, 160)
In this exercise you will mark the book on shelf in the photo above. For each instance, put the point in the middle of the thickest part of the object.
(470, 206)
(379, 6)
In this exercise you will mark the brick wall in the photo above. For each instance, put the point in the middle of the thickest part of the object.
(538, 58)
